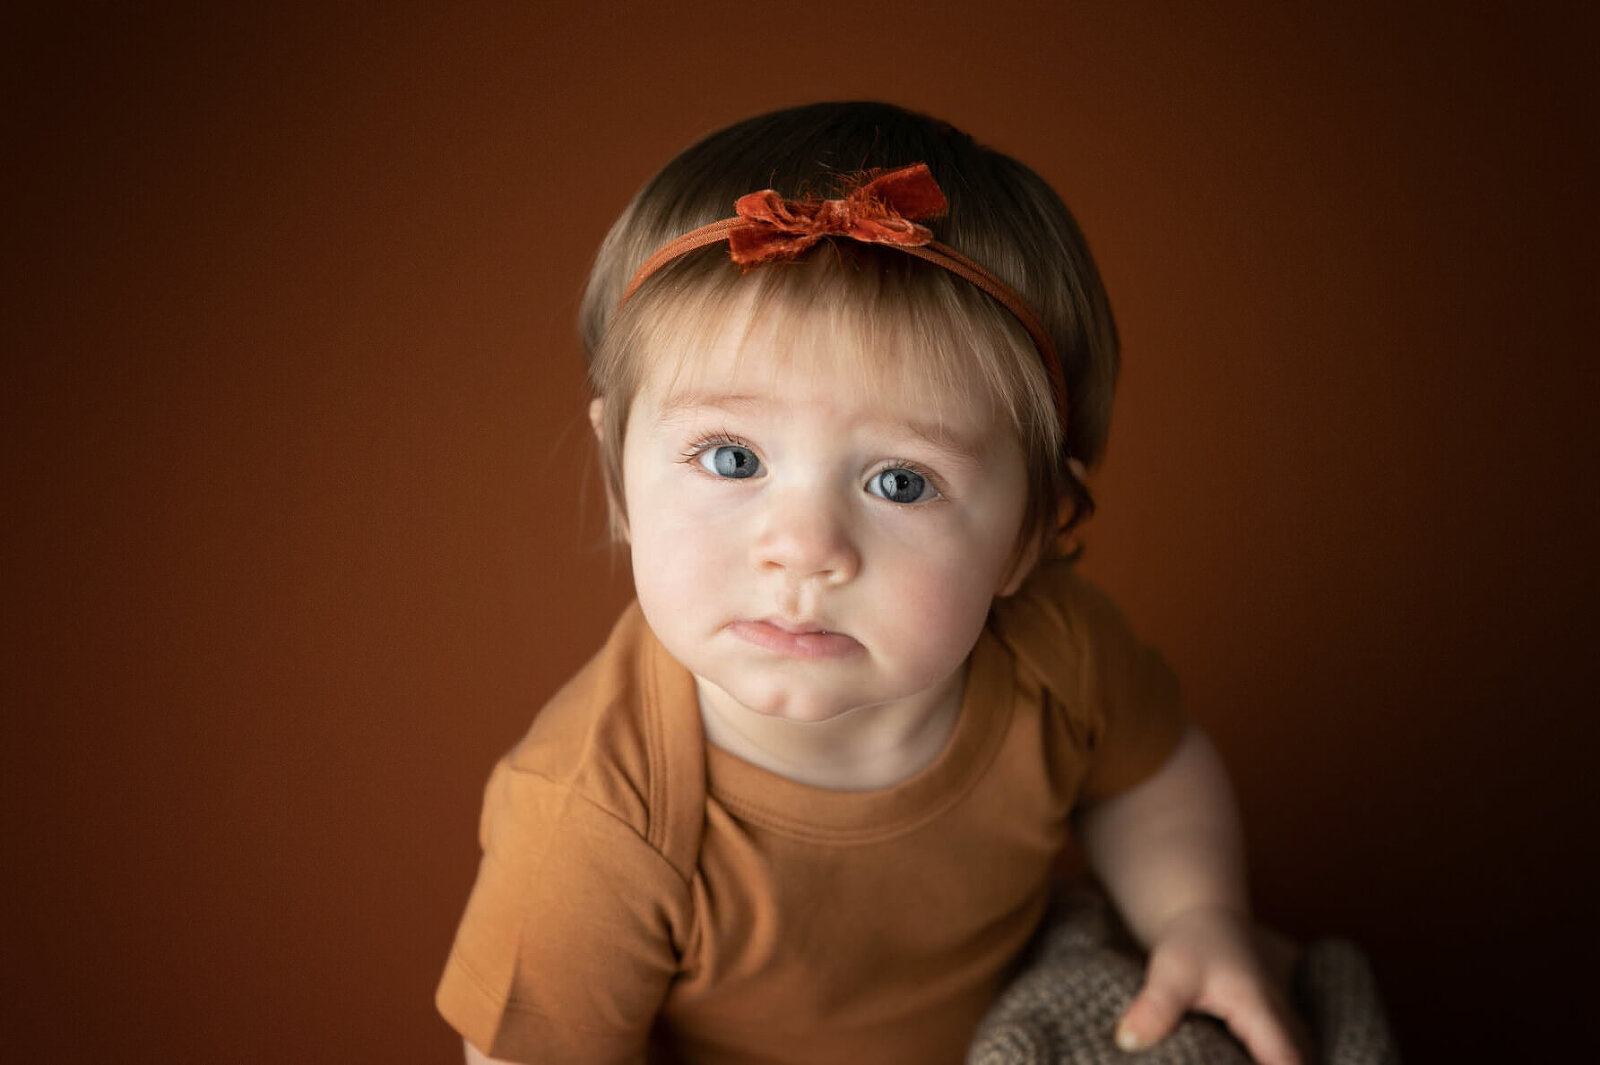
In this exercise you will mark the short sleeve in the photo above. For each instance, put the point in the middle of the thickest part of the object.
(567, 945)
(1119, 694)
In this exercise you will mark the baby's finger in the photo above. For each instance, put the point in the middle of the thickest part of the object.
(1153, 1013)
(1262, 1032)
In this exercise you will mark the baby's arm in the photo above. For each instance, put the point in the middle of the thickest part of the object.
(1170, 851)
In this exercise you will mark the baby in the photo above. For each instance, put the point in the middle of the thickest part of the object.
(805, 803)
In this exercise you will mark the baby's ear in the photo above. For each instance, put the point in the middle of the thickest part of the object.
(617, 514)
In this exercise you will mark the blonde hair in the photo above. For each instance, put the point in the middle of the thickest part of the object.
(913, 319)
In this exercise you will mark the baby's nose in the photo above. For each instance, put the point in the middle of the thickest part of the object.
(807, 535)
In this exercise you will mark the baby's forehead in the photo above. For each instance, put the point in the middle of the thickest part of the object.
(782, 363)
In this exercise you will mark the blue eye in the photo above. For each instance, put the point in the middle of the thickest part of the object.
(729, 460)
(899, 486)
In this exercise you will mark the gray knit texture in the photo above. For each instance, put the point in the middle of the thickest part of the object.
(1063, 1006)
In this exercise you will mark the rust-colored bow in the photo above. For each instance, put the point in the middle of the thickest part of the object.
(881, 211)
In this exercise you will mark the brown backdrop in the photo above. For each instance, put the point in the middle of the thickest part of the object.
(301, 521)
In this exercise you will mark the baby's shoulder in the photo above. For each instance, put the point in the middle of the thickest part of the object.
(1057, 602)
(621, 739)
(1067, 632)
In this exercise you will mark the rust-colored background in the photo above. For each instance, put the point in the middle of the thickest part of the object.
(301, 521)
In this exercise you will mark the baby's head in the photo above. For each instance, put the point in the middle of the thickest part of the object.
(903, 319)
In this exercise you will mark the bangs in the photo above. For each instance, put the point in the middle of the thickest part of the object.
(908, 328)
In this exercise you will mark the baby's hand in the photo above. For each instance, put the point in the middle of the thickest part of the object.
(1213, 961)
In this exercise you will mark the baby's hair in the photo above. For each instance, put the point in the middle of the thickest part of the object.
(916, 321)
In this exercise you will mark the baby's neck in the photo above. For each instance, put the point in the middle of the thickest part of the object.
(865, 749)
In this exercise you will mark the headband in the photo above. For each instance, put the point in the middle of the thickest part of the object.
(882, 208)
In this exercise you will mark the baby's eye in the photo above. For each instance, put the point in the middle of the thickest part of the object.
(729, 460)
(900, 485)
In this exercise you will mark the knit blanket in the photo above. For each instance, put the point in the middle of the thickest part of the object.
(1063, 1006)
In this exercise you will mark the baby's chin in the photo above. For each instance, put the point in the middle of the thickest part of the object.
(790, 706)
(786, 703)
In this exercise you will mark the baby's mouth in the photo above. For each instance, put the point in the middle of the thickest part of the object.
(794, 639)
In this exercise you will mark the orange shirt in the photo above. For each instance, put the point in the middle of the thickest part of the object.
(636, 880)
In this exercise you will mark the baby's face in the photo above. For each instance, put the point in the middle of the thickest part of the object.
(806, 544)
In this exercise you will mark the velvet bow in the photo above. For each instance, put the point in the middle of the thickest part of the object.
(880, 211)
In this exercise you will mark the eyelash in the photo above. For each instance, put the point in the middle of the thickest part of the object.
(691, 456)
(692, 453)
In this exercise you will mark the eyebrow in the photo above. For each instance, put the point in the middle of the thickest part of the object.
(936, 435)
(682, 402)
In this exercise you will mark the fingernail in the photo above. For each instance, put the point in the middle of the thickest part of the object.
(1127, 1040)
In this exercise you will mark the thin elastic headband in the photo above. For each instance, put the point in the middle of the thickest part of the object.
(881, 209)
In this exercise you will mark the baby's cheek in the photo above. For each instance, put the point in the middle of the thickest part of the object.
(942, 613)
(685, 570)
